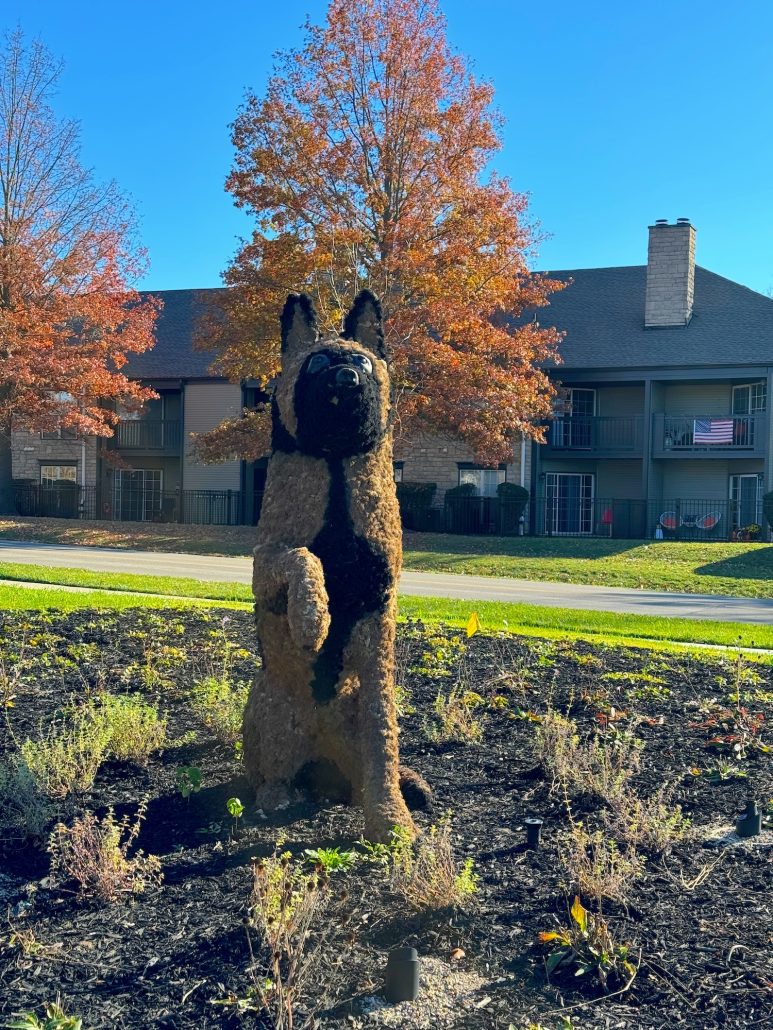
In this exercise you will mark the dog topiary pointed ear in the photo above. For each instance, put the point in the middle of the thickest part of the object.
(299, 323)
(363, 324)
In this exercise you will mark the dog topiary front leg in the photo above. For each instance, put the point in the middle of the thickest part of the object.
(297, 572)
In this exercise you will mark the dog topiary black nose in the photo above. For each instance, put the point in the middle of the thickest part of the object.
(347, 377)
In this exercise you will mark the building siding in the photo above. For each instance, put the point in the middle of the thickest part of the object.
(205, 406)
(29, 451)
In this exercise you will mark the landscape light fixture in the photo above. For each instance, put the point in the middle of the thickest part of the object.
(401, 982)
(750, 823)
(533, 830)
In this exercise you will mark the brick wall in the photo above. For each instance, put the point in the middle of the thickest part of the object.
(435, 459)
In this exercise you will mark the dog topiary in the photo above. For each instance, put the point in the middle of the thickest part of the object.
(325, 573)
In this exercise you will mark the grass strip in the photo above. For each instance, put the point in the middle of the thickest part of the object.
(609, 627)
(600, 627)
(170, 585)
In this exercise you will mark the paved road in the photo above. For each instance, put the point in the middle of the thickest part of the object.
(426, 584)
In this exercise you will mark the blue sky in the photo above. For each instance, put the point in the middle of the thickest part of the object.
(617, 114)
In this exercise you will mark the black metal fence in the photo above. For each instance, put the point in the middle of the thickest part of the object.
(669, 519)
(479, 515)
(194, 507)
(550, 515)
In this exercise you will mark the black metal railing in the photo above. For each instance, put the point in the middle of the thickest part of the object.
(132, 504)
(686, 435)
(632, 519)
(148, 434)
(473, 515)
(608, 434)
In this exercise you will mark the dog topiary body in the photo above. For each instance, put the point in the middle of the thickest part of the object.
(325, 573)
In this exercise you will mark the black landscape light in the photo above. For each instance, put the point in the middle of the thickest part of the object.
(533, 830)
(750, 823)
(402, 975)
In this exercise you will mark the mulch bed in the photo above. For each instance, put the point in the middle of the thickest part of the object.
(701, 919)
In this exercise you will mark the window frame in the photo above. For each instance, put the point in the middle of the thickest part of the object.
(468, 468)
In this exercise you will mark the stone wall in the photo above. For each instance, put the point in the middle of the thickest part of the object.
(29, 451)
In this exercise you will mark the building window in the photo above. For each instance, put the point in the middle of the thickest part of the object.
(484, 480)
(137, 494)
(398, 471)
(568, 503)
(750, 398)
(53, 475)
(746, 500)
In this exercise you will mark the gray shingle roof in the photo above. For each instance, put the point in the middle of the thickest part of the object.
(602, 312)
(173, 356)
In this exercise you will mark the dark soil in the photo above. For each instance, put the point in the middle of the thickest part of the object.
(701, 919)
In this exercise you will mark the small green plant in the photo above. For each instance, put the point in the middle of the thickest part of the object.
(595, 864)
(389, 854)
(135, 727)
(724, 772)
(587, 946)
(454, 717)
(428, 876)
(287, 904)
(25, 811)
(94, 853)
(331, 860)
(652, 823)
(441, 655)
(55, 1018)
(219, 702)
(235, 810)
(188, 780)
(68, 756)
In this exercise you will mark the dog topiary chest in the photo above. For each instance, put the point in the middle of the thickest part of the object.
(357, 579)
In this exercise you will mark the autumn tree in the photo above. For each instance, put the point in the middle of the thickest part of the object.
(68, 317)
(366, 163)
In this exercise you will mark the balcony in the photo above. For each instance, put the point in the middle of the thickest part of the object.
(597, 436)
(709, 436)
(157, 435)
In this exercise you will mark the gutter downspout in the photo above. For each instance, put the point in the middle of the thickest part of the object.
(523, 459)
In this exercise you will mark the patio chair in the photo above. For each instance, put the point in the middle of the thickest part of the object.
(669, 520)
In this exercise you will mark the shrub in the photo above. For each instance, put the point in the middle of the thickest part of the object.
(68, 756)
(514, 499)
(94, 853)
(24, 809)
(767, 507)
(651, 823)
(454, 717)
(595, 865)
(602, 765)
(428, 877)
(286, 905)
(134, 727)
(219, 702)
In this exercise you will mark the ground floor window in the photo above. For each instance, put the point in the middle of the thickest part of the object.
(568, 503)
(484, 480)
(137, 494)
(746, 500)
(53, 475)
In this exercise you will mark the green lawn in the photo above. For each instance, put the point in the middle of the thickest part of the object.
(741, 570)
(161, 591)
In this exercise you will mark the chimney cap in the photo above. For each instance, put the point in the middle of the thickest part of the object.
(661, 221)
(683, 221)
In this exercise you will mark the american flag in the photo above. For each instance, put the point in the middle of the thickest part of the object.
(713, 430)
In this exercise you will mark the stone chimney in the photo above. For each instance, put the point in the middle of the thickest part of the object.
(670, 274)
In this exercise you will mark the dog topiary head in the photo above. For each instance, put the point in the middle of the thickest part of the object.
(332, 396)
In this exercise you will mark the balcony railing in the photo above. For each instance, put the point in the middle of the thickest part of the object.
(708, 435)
(148, 434)
(597, 434)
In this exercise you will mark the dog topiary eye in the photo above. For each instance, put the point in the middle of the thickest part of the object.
(363, 362)
(317, 363)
